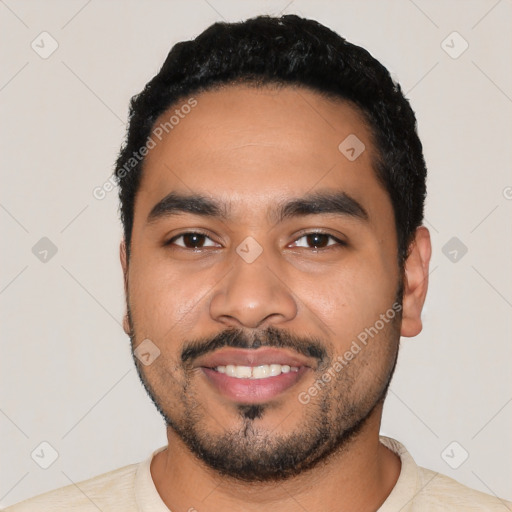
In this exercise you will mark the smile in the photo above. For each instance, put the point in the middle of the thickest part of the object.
(252, 376)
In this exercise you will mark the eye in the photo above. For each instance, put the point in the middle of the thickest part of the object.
(192, 240)
(318, 240)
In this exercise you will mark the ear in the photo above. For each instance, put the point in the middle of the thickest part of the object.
(124, 265)
(415, 282)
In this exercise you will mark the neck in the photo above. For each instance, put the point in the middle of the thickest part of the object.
(358, 477)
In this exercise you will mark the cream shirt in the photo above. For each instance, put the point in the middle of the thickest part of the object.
(131, 489)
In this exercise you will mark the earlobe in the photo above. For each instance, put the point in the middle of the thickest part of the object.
(416, 282)
(126, 324)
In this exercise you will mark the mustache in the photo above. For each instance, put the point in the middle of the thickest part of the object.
(270, 337)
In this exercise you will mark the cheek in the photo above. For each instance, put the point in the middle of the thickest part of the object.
(351, 297)
(162, 297)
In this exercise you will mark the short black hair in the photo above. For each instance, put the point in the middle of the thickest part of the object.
(286, 50)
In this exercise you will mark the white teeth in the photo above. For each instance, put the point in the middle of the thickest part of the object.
(243, 372)
(260, 372)
(256, 372)
(275, 369)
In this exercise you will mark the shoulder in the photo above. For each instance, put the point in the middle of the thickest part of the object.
(440, 492)
(109, 491)
(421, 490)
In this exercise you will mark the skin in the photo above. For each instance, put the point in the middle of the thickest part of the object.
(177, 294)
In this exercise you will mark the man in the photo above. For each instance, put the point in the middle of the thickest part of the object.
(272, 187)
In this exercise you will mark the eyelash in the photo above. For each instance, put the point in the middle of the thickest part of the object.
(339, 243)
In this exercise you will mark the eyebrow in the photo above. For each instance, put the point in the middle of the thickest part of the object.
(328, 202)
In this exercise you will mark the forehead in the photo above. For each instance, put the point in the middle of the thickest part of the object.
(251, 146)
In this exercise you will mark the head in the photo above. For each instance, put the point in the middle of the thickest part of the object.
(272, 185)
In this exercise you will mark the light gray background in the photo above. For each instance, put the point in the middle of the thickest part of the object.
(66, 372)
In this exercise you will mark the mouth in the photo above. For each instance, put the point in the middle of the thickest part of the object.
(253, 376)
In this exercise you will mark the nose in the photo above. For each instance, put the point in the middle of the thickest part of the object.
(253, 295)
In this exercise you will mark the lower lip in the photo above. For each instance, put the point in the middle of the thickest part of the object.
(253, 391)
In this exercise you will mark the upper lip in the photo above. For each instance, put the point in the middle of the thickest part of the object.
(252, 357)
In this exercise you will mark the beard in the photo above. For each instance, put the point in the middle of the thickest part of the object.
(249, 451)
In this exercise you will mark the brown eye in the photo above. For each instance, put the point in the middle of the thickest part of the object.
(317, 240)
(191, 241)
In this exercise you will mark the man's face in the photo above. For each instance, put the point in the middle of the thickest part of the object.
(211, 291)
